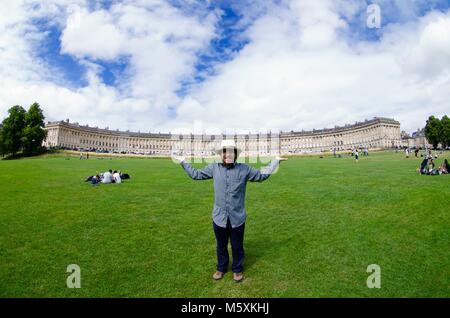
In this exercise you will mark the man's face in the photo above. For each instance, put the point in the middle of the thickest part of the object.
(228, 156)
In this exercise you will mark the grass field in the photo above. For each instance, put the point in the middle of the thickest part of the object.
(312, 230)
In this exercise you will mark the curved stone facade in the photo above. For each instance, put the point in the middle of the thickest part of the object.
(378, 133)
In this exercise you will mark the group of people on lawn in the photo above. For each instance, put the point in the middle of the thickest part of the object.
(428, 167)
(109, 176)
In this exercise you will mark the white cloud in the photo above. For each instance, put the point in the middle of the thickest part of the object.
(160, 41)
(300, 70)
(92, 34)
(429, 54)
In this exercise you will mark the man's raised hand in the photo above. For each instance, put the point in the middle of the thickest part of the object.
(180, 159)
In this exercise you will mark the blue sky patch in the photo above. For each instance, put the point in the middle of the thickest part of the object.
(235, 19)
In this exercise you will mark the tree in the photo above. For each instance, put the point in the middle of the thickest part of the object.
(2, 146)
(13, 127)
(445, 131)
(432, 131)
(34, 132)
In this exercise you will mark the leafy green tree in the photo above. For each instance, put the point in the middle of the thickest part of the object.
(432, 131)
(13, 127)
(445, 131)
(34, 132)
(2, 145)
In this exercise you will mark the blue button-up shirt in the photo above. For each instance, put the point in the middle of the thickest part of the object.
(229, 188)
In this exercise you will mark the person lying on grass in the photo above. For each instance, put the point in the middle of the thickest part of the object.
(229, 215)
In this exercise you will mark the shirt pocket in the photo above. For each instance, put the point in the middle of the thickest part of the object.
(237, 183)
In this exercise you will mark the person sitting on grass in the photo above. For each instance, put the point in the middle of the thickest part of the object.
(444, 168)
(229, 214)
(116, 177)
(431, 168)
(107, 177)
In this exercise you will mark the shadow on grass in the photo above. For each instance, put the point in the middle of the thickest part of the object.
(257, 249)
(21, 155)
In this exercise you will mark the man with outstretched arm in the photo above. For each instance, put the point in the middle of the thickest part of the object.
(229, 215)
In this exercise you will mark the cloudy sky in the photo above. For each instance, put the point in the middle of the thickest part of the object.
(225, 66)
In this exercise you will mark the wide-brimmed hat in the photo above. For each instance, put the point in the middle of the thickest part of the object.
(227, 144)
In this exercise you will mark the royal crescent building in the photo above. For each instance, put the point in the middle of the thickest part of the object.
(377, 133)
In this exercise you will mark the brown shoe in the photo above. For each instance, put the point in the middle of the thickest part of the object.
(238, 277)
(218, 275)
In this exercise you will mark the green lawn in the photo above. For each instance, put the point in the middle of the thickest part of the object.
(312, 230)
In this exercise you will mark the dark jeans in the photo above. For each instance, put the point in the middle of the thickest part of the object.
(236, 236)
